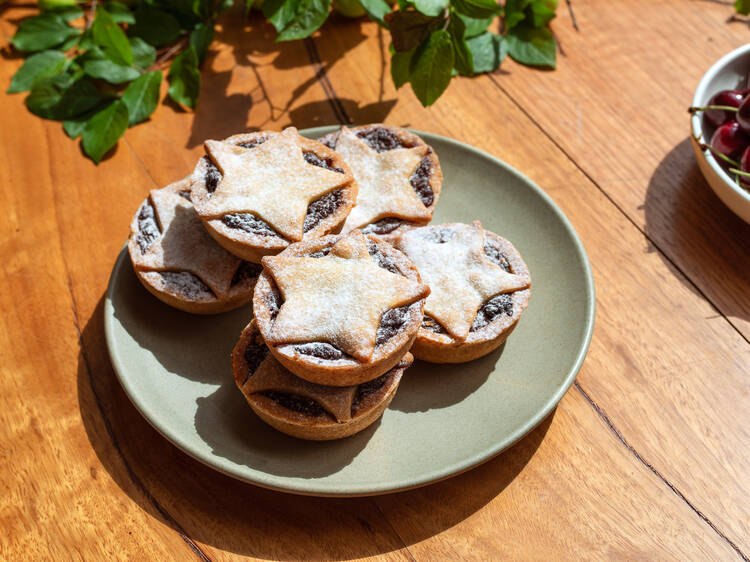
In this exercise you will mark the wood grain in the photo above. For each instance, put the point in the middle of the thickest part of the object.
(630, 466)
(617, 106)
(649, 376)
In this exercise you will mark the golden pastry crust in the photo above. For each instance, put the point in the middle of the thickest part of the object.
(340, 310)
(250, 236)
(179, 263)
(387, 209)
(494, 320)
(303, 409)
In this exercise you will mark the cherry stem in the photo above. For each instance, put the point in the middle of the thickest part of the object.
(696, 109)
(740, 172)
(718, 154)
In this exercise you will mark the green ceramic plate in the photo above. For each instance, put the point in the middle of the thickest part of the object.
(444, 419)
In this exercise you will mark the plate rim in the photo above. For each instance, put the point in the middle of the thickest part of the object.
(312, 487)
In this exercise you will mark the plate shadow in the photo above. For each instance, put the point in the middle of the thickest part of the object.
(223, 513)
(707, 240)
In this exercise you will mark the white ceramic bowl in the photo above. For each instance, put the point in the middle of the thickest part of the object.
(729, 72)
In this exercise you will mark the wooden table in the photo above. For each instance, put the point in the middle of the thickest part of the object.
(647, 456)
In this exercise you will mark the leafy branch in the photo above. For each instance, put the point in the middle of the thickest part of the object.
(98, 65)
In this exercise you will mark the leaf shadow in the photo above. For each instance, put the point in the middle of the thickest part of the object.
(251, 42)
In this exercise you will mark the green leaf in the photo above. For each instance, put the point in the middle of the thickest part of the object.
(144, 54)
(475, 26)
(542, 12)
(462, 58)
(154, 26)
(119, 12)
(68, 12)
(142, 96)
(108, 35)
(431, 7)
(69, 43)
(534, 47)
(74, 127)
(401, 67)
(42, 32)
(224, 5)
(39, 65)
(97, 65)
(62, 97)
(46, 5)
(476, 8)
(376, 9)
(432, 66)
(409, 28)
(201, 38)
(87, 41)
(742, 7)
(488, 51)
(184, 78)
(309, 17)
(104, 129)
(515, 12)
(280, 12)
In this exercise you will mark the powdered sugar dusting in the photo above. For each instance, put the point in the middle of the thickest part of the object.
(383, 179)
(338, 298)
(185, 246)
(272, 181)
(458, 272)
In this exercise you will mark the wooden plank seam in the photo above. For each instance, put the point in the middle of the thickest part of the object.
(588, 398)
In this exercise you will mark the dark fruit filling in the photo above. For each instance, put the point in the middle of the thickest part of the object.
(432, 325)
(439, 235)
(148, 229)
(381, 259)
(420, 181)
(391, 323)
(185, 194)
(329, 140)
(367, 389)
(255, 353)
(249, 223)
(296, 403)
(380, 140)
(323, 207)
(315, 160)
(213, 175)
(186, 284)
(245, 271)
(496, 256)
(501, 304)
(320, 350)
(252, 143)
(383, 226)
(273, 300)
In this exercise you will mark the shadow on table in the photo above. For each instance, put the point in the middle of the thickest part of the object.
(252, 42)
(219, 512)
(709, 242)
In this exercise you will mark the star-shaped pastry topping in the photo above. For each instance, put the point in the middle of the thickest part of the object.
(383, 179)
(271, 375)
(338, 298)
(272, 181)
(459, 274)
(184, 244)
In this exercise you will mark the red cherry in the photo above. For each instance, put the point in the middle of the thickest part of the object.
(730, 139)
(743, 115)
(713, 118)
